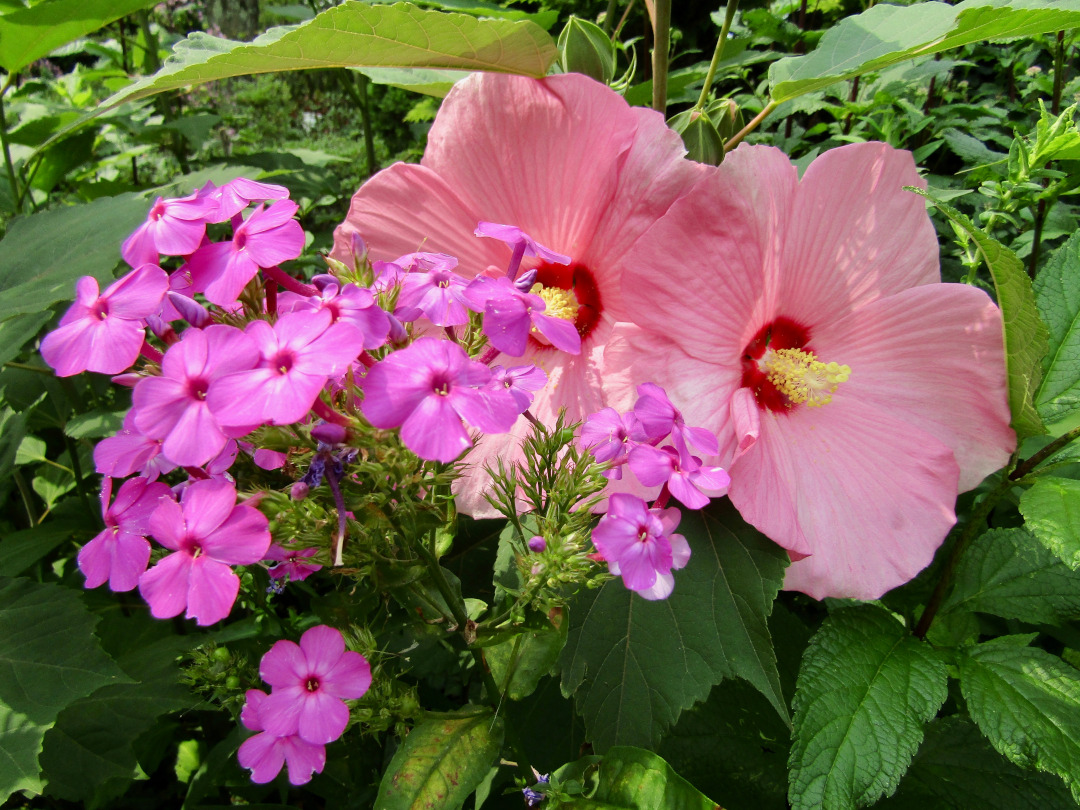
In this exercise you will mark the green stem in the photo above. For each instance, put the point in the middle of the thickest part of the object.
(1038, 458)
(622, 20)
(608, 15)
(16, 194)
(729, 16)
(754, 123)
(80, 482)
(661, 44)
(27, 496)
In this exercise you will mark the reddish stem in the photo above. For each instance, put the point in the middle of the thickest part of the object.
(149, 352)
(275, 273)
(328, 414)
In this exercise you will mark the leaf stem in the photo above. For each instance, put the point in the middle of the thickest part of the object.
(26, 495)
(754, 123)
(661, 45)
(16, 195)
(729, 16)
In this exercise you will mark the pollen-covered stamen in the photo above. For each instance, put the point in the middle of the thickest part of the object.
(801, 377)
(559, 303)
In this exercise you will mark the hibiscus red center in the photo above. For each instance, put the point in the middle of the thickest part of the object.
(782, 333)
(578, 279)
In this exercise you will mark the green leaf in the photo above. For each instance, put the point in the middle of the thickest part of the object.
(95, 424)
(1052, 511)
(1057, 295)
(27, 35)
(442, 761)
(1025, 334)
(356, 34)
(435, 83)
(518, 664)
(1027, 703)
(49, 658)
(1008, 573)
(885, 35)
(634, 665)
(957, 769)
(20, 550)
(640, 780)
(866, 689)
(18, 331)
(43, 255)
(12, 431)
(32, 450)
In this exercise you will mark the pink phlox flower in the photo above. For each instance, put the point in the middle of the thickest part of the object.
(267, 238)
(387, 275)
(639, 545)
(299, 354)
(120, 553)
(104, 332)
(428, 389)
(685, 478)
(176, 407)
(174, 227)
(311, 682)
(609, 436)
(130, 452)
(265, 754)
(659, 418)
(520, 381)
(510, 315)
(292, 563)
(348, 304)
(521, 243)
(264, 459)
(208, 532)
(853, 394)
(432, 289)
(236, 195)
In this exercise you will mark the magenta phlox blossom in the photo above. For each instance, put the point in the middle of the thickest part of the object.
(427, 389)
(685, 478)
(265, 754)
(431, 289)
(298, 355)
(119, 554)
(609, 436)
(236, 195)
(175, 407)
(311, 682)
(510, 315)
(520, 381)
(104, 332)
(521, 243)
(659, 418)
(639, 545)
(348, 304)
(174, 227)
(268, 237)
(129, 452)
(293, 564)
(208, 532)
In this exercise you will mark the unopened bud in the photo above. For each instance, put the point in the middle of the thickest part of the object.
(700, 136)
(328, 433)
(585, 48)
(299, 491)
(537, 544)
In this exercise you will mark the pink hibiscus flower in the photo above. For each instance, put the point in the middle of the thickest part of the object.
(568, 162)
(805, 323)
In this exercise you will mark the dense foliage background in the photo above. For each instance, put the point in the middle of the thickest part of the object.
(148, 714)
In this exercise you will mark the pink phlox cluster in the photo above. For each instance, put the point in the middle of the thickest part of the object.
(119, 554)
(266, 754)
(609, 436)
(130, 451)
(519, 381)
(348, 304)
(520, 243)
(511, 314)
(208, 533)
(104, 332)
(173, 227)
(432, 390)
(659, 418)
(431, 289)
(293, 565)
(238, 194)
(686, 478)
(640, 545)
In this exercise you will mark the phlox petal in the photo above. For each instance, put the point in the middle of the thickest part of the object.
(165, 586)
(212, 590)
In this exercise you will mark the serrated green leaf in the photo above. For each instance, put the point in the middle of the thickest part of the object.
(1057, 295)
(1027, 703)
(885, 35)
(957, 769)
(356, 34)
(635, 779)
(441, 761)
(26, 35)
(866, 688)
(44, 254)
(634, 665)
(436, 83)
(1009, 573)
(518, 664)
(1025, 335)
(21, 738)
(1052, 511)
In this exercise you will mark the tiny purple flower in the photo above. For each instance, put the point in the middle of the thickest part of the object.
(608, 436)
(537, 544)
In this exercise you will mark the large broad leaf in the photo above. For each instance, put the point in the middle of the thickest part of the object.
(1027, 703)
(866, 689)
(43, 255)
(442, 761)
(1052, 511)
(29, 34)
(956, 769)
(49, 658)
(357, 34)
(634, 665)
(886, 35)
(17, 332)
(1008, 573)
(1025, 335)
(1057, 295)
(634, 779)
(20, 550)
